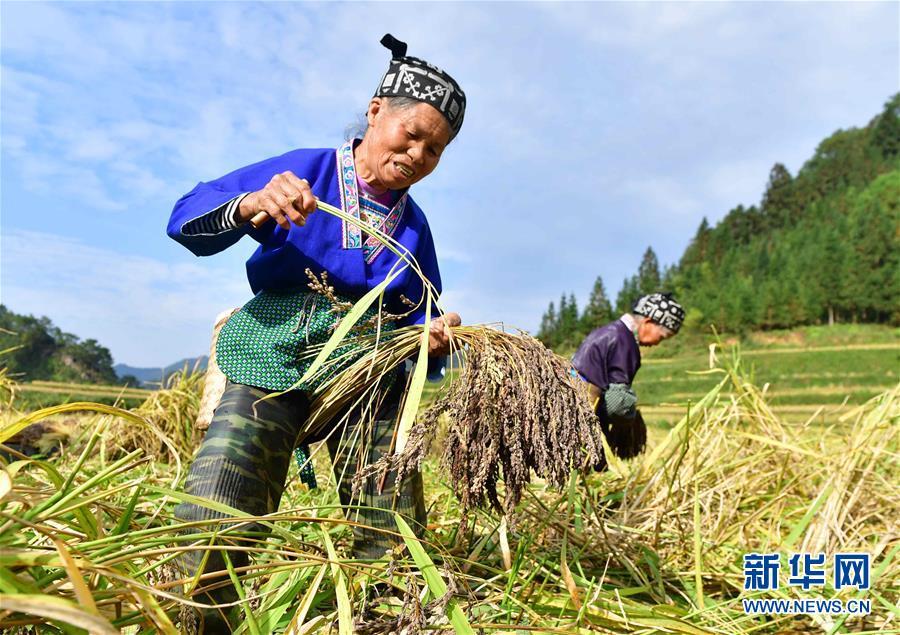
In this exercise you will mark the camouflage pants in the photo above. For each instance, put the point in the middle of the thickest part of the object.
(243, 463)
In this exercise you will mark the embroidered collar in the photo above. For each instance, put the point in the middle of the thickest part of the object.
(352, 235)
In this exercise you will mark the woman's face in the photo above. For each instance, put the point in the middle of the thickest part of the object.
(403, 145)
(650, 333)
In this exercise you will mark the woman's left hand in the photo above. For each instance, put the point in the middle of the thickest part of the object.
(439, 334)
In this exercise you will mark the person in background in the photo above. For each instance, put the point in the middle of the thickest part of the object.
(416, 111)
(609, 358)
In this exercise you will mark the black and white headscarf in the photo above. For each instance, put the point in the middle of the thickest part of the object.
(417, 79)
(662, 309)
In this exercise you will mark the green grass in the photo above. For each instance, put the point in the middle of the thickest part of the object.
(44, 394)
(839, 335)
(36, 400)
(805, 369)
(813, 376)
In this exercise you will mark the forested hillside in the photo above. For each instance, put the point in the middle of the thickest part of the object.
(821, 247)
(35, 349)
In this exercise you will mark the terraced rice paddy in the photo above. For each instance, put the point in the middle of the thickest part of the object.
(800, 383)
(38, 394)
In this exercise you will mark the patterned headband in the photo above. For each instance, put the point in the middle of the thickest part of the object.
(662, 309)
(417, 79)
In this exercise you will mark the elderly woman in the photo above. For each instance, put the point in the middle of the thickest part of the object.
(609, 358)
(415, 113)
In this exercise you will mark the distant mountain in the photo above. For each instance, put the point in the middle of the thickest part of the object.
(149, 376)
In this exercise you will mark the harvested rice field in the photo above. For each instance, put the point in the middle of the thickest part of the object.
(822, 379)
(655, 544)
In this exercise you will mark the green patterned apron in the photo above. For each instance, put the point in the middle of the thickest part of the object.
(266, 344)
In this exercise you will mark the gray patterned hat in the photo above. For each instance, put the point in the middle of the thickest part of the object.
(662, 309)
(417, 79)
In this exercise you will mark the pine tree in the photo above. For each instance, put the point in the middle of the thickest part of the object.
(648, 274)
(561, 316)
(549, 326)
(875, 248)
(627, 295)
(696, 250)
(667, 281)
(598, 310)
(886, 134)
(826, 266)
(568, 319)
(777, 202)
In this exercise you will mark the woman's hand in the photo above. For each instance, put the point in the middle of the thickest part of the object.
(439, 334)
(285, 198)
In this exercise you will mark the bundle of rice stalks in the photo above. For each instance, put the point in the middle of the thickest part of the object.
(45, 437)
(215, 380)
(513, 410)
(172, 412)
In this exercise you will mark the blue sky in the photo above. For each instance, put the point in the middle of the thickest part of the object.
(592, 131)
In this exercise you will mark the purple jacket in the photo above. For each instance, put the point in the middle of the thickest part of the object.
(608, 355)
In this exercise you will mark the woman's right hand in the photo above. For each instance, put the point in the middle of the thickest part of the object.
(440, 335)
(286, 198)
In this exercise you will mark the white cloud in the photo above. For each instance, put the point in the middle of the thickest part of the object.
(148, 312)
(661, 196)
(593, 130)
(638, 26)
(455, 255)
